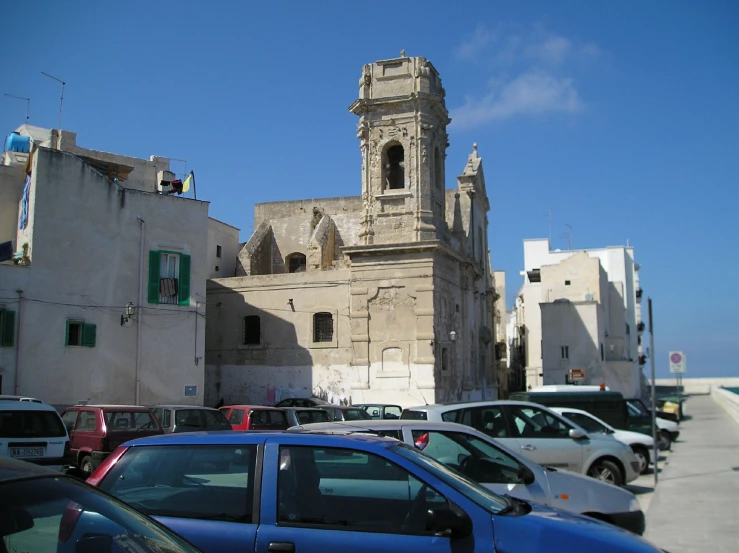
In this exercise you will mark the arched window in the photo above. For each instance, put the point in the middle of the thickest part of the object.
(323, 327)
(295, 263)
(394, 168)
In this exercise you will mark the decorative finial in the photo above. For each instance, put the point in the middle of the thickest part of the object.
(402, 53)
(474, 147)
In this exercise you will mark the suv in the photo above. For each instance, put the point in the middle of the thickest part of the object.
(96, 430)
(255, 417)
(189, 418)
(542, 435)
(32, 432)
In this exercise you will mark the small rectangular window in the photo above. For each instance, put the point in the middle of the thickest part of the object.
(564, 352)
(323, 327)
(567, 282)
(7, 328)
(252, 330)
(217, 268)
(602, 353)
(444, 359)
(80, 334)
(219, 251)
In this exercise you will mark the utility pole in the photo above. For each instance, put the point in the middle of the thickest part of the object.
(654, 390)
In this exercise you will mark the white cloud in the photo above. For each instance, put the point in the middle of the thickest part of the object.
(476, 43)
(508, 44)
(532, 93)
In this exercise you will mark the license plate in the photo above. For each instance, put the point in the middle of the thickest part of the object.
(27, 451)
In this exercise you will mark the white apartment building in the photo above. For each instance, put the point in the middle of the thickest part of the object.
(102, 275)
(580, 309)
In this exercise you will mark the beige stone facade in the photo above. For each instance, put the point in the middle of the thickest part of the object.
(384, 297)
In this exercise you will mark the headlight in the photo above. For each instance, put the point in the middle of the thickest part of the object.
(634, 505)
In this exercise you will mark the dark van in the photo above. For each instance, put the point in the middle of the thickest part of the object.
(606, 405)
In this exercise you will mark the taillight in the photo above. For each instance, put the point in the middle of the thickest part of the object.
(69, 520)
(422, 441)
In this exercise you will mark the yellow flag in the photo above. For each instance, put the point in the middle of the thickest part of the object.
(186, 184)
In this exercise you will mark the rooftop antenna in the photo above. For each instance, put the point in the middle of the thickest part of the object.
(28, 103)
(61, 98)
(549, 216)
(182, 161)
(568, 235)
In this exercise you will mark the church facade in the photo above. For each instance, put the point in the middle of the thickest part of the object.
(384, 297)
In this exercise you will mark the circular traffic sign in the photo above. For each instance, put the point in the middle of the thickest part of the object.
(676, 358)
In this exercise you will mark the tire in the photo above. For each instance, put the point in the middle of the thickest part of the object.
(606, 471)
(643, 456)
(664, 440)
(86, 466)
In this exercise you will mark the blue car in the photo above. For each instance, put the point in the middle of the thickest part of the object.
(312, 492)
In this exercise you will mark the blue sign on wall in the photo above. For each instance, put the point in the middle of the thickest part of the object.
(191, 391)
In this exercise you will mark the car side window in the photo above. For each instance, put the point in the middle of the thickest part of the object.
(87, 421)
(236, 417)
(393, 412)
(70, 418)
(532, 422)
(344, 489)
(489, 420)
(209, 482)
(167, 420)
(452, 416)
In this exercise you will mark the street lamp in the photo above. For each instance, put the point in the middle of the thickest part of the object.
(128, 312)
(453, 336)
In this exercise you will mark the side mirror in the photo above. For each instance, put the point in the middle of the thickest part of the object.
(577, 434)
(449, 521)
(526, 475)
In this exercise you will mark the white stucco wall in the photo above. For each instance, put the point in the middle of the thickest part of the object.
(227, 237)
(85, 265)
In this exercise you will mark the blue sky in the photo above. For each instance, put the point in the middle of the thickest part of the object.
(619, 117)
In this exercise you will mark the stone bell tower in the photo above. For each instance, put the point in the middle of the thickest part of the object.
(402, 133)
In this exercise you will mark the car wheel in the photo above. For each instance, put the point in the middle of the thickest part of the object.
(86, 466)
(606, 471)
(664, 440)
(642, 456)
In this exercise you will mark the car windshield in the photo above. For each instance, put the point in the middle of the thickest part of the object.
(636, 408)
(60, 514)
(129, 420)
(408, 414)
(473, 491)
(31, 424)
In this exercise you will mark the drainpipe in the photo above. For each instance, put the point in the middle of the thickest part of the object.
(18, 343)
(139, 310)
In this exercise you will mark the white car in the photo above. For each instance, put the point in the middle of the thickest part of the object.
(641, 444)
(503, 471)
(541, 435)
(33, 432)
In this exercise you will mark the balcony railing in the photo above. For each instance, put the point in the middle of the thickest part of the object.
(641, 326)
(639, 293)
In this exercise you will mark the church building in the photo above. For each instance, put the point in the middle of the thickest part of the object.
(384, 297)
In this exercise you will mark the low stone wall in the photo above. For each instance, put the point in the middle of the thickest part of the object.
(700, 385)
(728, 400)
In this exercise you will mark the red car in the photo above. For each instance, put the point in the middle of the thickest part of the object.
(255, 417)
(97, 430)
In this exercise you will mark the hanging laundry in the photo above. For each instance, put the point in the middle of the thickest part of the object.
(23, 221)
(168, 287)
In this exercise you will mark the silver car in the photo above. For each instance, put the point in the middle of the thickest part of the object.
(503, 471)
(541, 435)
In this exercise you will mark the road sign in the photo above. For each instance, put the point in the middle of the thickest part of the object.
(678, 364)
(577, 375)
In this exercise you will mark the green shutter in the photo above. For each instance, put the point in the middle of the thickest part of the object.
(153, 276)
(184, 281)
(89, 333)
(66, 334)
(8, 328)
